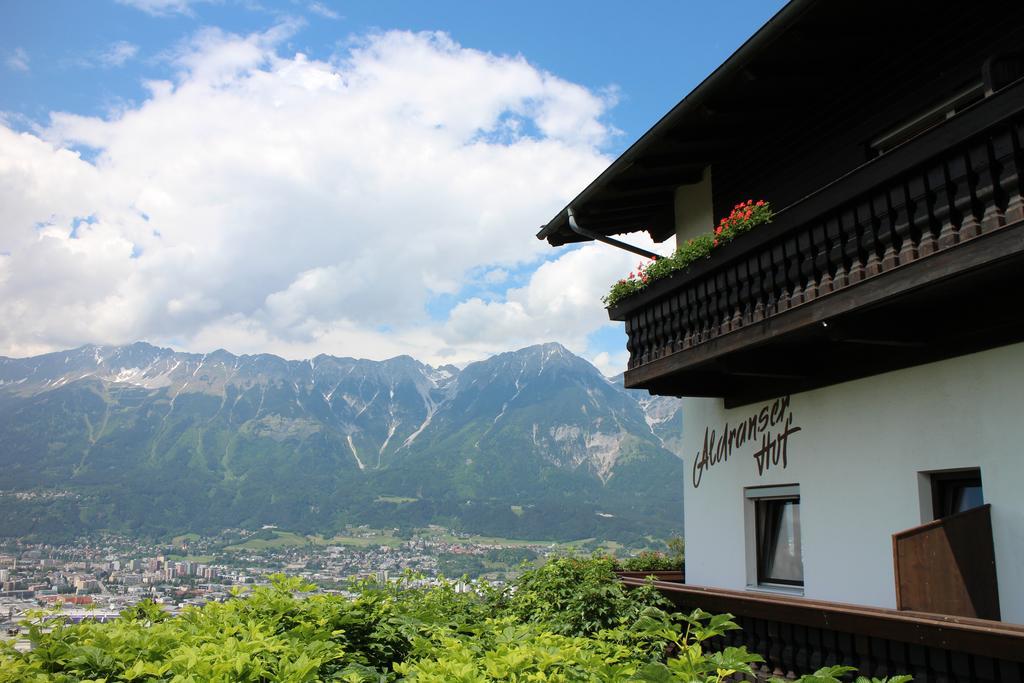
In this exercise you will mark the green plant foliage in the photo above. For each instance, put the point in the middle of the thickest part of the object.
(649, 560)
(677, 550)
(568, 620)
(577, 596)
(744, 217)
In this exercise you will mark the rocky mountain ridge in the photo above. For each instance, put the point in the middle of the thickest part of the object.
(500, 432)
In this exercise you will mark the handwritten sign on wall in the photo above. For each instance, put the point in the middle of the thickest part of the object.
(767, 431)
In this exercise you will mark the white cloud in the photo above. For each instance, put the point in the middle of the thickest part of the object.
(495, 276)
(118, 53)
(17, 60)
(271, 202)
(611, 364)
(561, 301)
(115, 55)
(323, 10)
(161, 8)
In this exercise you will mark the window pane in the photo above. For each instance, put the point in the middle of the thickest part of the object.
(956, 492)
(778, 527)
(966, 497)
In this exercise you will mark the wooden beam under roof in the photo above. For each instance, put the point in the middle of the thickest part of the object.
(684, 140)
(658, 221)
(629, 204)
(657, 181)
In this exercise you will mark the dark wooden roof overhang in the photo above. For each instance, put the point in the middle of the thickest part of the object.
(635, 193)
(809, 53)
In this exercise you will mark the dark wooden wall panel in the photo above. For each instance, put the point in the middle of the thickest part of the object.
(948, 566)
(827, 129)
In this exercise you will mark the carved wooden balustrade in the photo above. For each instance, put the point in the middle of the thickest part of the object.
(798, 636)
(953, 184)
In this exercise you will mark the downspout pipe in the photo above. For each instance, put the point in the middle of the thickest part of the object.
(607, 240)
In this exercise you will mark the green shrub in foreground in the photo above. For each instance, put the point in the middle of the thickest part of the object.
(568, 620)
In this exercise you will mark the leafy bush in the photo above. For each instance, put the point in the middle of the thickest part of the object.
(577, 596)
(649, 561)
(677, 550)
(569, 620)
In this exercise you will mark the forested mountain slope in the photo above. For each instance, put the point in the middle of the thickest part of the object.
(532, 443)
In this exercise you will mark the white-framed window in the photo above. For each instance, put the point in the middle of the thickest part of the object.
(775, 553)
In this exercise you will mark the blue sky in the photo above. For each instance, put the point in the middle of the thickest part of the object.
(358, 178)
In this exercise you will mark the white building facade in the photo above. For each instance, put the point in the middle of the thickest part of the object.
(862, 458)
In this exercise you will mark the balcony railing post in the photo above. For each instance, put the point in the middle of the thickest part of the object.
(788, 653)
(852, 245)
(944, 211)
(646, 340)
(793, 278)
(805, 250)
(1006, 153)
(830, 648)
(882, 210)
(705, 311)
(801, 644)
(917, 658)
(765, 302)
(903, 218)
(868, 238)
(660, 339)
(721, 321)
(774, 652)
(712, 310)
(739, 291)
(820, 247)
(692, 323)
(1015, 179)
(963, 196)
(920, 216)
(666, 334)
(816, 649)
(676, 310)
(989, 191)
(631, 336)
(939, 181)
(898, 661)
(938, 662)
(836, 253)
(779, 278)
(862, 650)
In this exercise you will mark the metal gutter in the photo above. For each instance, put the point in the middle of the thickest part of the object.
(607, 240)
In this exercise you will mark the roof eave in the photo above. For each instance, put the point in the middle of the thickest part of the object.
(557, 232)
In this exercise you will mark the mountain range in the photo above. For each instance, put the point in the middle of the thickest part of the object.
(534, 443)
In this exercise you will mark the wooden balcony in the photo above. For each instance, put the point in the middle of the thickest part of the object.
(797, 636)
(911, 258)
(948, 566)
